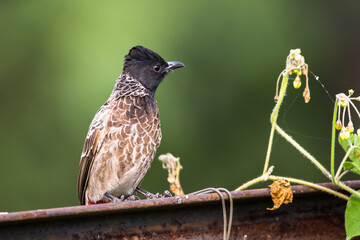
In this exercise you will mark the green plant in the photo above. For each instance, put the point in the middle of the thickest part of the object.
(348, 139)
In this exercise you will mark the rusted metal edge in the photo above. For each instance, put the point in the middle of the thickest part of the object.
(151, 204)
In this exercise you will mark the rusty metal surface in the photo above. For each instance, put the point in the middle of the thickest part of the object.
(313, 215)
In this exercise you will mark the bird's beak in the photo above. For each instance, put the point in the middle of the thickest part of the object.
(174, 65)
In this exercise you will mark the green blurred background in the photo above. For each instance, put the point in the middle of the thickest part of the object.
(59, 61)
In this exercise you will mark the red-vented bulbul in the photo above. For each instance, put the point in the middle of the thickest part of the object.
(125, 132)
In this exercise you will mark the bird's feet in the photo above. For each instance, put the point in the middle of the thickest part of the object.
(122, 198)
(112, 198)
(129, 198)
(149, 195)
(166, 193)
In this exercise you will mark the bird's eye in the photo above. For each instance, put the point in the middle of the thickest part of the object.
(156, 68)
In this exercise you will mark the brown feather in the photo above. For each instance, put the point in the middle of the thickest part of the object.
(89, 151)
(127, 128)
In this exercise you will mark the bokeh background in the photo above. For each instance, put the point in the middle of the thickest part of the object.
(59, 61)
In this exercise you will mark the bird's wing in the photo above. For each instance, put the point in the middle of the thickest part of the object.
(91, 146)
(117, 122)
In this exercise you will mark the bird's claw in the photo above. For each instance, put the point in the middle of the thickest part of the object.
(149, 195)
(112, 198)
(165, 194)
(132, 198)
(122, 198)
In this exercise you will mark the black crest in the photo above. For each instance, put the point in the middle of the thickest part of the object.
(145, 66)
(140, 53)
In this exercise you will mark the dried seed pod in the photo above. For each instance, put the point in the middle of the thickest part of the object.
(306, 95)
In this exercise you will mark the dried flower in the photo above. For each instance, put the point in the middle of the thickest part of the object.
(306, 95)
(172, 164)
(280, 191)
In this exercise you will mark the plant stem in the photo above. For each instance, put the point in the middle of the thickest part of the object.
(273, 118)
(294, 180)
(343, 161)
(250, 183)
(342, 174)
(313, 185)
(303, 151)
(356, 110)
(333, 133)
(350, 190)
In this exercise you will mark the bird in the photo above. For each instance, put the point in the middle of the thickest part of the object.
(125, 133)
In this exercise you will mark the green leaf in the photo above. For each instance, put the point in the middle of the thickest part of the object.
(353, 166)
(352, 216)
(357, 145)
(354, 140)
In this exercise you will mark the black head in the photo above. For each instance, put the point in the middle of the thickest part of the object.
(147, 67)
